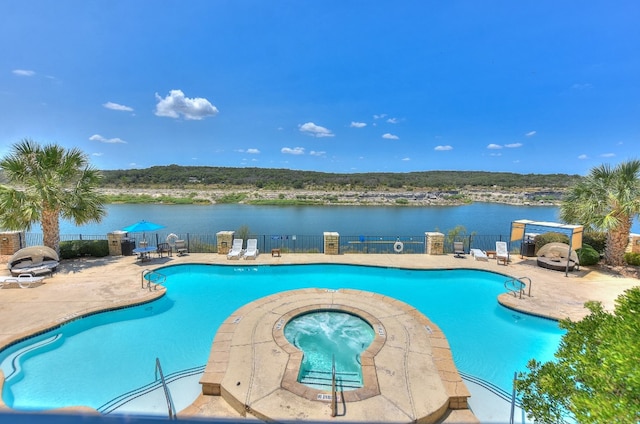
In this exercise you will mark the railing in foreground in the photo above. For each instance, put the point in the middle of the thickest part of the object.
(167, 395)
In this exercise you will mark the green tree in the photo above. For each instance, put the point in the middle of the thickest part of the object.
(46, 183)
(608, 199)
(595, 377)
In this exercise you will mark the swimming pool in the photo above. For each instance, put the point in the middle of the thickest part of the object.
(94, 360)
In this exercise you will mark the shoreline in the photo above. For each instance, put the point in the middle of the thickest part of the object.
(391, 197)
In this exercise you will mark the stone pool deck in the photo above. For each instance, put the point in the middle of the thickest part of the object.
(88, 285)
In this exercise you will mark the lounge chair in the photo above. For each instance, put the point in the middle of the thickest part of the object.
(502, 253)
(252, 249)
(23, 280)
(236, 249)
(181, 247)
(458, 249)
(35, 260)
(479, 255)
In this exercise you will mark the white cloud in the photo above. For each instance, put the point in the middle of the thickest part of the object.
(392, 120)
(176, 104)
(513, 145)
(253, 151)
(315, 130)
(495, 154)
(607, 155)
(531, 133)
(96, 154)
(116, 106)
(314, 153)
(443, 148)
(101, 139)
(23, 72)
(494, 146)
(357, 124)
(583, 156)
(294, 151)
(389, 136)
(406, 159)
(382, 115)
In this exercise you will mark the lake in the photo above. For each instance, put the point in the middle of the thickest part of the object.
(481, 218)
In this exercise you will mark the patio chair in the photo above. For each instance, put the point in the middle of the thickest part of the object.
(181, 247)
(252, 249)
(23, 280)
(236, 249)
(479, 255)
(502, 253)
(458, 249)
(163, 248)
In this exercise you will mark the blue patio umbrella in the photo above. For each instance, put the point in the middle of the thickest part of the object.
(142, 227)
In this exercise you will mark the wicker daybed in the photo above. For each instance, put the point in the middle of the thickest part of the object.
(556, 256)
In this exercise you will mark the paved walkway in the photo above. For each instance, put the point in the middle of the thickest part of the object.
(87, 285)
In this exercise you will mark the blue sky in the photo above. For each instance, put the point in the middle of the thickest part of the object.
(335, 86)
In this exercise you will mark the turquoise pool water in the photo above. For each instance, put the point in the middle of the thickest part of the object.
(93, 360)
(330, 340)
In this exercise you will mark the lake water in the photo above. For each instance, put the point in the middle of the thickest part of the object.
(481, 218)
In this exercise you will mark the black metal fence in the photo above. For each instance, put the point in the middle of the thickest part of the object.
(207, 243)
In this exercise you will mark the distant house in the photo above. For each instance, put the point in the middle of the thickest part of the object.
(194, 180)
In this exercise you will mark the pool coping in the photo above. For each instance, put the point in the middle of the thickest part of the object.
(405, 341)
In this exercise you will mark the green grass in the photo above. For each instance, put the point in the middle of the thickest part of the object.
(147, 199)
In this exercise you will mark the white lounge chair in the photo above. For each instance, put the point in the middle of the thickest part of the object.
(252, 249)
(236, 249)
(458, 249)
(479, 255)
(181, 247)
(502, 253)
(24, 280)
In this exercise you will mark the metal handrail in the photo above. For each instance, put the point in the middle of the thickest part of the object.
(334, 402)
(154, 277)
(167, 395)
(511, 286)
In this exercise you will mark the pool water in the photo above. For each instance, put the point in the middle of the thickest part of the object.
(93, 360)
(330, 339)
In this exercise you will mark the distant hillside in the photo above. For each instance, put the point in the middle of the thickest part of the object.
(269, 178)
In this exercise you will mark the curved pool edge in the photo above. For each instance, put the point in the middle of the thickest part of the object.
(153, 295)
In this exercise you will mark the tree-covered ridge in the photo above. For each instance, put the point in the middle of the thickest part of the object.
(177, 176)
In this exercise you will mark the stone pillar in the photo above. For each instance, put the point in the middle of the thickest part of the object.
(225, 241)
(634, 243)
(11, 242)
(434, 243)
(331, 243)
(114, 239)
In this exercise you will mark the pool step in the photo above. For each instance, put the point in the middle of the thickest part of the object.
(322, 379)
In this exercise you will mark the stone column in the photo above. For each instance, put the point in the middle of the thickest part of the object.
(225, 241)
(331, 243)
(434, 243)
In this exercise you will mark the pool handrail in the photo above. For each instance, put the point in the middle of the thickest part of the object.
(154, 277)
(167, 395)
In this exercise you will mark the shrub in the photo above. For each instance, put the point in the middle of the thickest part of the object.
(595, 239)
(78, 248)
(550, 237)
(588, 255)
(632, 258)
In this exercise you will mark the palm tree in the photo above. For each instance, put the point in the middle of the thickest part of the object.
(608, 199)
(46, 183)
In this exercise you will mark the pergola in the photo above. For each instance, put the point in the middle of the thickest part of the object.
(521, 227)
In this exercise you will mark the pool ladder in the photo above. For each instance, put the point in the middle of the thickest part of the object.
(516, 286)
(165, 387)
(152, 277)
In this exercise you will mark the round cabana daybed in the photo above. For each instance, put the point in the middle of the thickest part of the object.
(556, 256)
